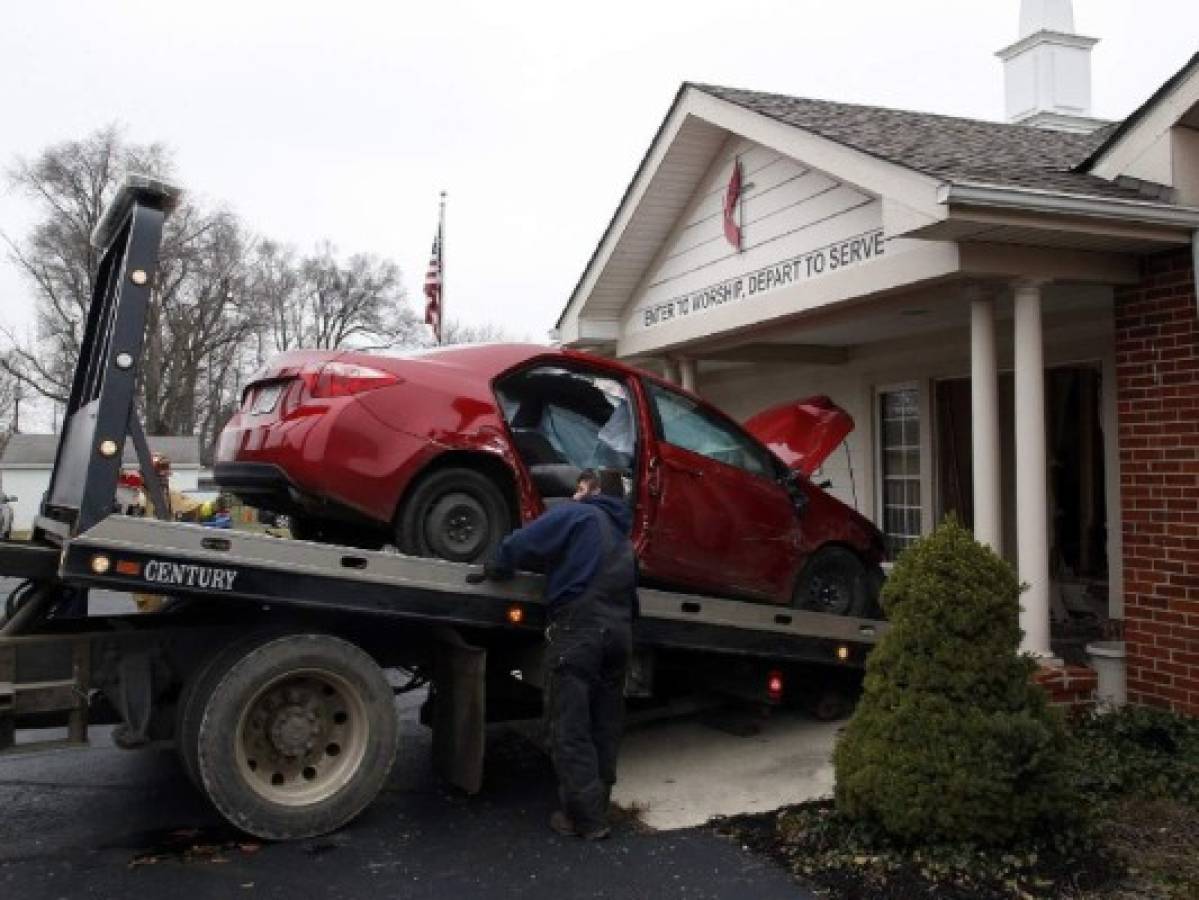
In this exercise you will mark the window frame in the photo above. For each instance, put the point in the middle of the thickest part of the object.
(922, 446)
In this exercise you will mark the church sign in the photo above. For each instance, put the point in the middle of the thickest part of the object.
(806, 266)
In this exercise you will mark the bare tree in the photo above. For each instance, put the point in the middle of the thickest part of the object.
(456, 332)
(10, 400)
(202, 315)
(69, 183)
(273, 285)
(360, 303)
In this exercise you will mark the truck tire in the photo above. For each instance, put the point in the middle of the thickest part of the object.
(297, 736)
(834, 581)
(189, 709)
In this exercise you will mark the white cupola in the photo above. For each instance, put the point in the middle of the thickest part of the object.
(1047, 72)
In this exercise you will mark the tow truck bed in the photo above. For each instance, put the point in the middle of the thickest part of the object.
(227, 566)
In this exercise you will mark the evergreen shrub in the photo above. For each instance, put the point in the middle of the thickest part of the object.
(951, 741)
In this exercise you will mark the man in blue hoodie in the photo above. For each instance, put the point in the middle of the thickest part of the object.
(591, 589)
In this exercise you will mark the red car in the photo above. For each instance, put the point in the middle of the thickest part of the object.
(443, 451)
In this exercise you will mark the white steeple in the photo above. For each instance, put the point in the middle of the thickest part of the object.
(1047, 72)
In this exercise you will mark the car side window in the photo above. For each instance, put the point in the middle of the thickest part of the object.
(685, 424)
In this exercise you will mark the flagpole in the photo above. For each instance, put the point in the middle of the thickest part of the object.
(441, 298)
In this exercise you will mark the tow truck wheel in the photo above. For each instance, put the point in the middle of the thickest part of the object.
(297, 736)
(189, 711)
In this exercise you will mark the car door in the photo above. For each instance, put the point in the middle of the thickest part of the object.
(721, 520)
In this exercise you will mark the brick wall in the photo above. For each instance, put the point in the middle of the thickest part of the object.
(1071, 687)
(1157, 367)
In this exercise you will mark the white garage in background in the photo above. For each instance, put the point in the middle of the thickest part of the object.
(28, 458)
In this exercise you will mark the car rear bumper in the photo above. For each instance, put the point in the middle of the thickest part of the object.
(259, 484)
(267, 486)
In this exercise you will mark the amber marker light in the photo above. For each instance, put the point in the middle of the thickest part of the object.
(516, 614)
(843, 653)
(101, 564)
(128, 567)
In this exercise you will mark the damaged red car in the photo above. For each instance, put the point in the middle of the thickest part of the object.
(442, 452)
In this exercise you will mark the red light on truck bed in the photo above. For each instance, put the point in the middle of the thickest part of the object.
(774, 685)
(129, 567)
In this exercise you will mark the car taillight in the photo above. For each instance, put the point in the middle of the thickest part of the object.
(337, 379)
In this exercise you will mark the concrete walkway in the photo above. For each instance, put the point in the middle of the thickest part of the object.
(680, 773)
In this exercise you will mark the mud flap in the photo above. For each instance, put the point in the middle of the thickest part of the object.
(460, 684)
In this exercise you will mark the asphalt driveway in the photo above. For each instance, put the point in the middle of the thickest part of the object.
(102, 822)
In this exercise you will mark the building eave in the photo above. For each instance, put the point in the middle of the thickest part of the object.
(1066, 204)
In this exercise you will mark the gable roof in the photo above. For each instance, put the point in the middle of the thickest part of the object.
(946, 147)
(1112, 136)
(37, 450)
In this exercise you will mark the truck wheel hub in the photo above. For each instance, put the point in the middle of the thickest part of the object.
(294, 730)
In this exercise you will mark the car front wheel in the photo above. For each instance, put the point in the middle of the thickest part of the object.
(456, 514)
(834, 581)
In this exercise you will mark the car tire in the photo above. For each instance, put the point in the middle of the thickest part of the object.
(834, 581)
(297, 736)
(456, 514)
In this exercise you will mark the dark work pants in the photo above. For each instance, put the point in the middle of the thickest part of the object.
(585, 706)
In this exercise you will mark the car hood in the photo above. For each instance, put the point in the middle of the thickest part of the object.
(802, 433)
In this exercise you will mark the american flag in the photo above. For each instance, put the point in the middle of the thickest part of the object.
(433, 288)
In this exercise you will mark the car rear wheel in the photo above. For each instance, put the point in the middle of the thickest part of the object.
(456, 514)
(834, 581)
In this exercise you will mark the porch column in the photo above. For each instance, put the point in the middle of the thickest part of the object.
(671, 370)
(687, 372)
(1032, 497)
(984, 417)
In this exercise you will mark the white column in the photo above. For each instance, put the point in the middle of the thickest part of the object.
(1032, 498)
(687, 371)
(671, 371)
(984, 417)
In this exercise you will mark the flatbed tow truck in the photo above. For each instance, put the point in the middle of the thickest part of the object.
(266, 666)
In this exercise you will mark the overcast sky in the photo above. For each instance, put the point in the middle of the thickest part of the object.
(343, 120)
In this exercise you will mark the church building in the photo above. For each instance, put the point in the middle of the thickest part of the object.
(1007, 309)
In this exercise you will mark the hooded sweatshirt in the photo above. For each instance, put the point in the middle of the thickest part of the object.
(567, 542)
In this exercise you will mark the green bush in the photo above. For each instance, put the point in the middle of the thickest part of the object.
(951, 742)
(1136, 751)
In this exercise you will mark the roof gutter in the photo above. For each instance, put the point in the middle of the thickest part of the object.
(1031, 200)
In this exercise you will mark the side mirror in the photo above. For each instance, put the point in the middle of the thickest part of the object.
(799, 497)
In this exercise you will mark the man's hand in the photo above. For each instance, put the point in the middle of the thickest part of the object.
(491, 572)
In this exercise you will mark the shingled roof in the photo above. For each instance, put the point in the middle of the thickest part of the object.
(945, 147)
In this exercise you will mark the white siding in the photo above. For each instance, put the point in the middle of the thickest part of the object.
(787, 210)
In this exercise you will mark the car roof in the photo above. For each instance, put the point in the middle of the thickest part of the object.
(488, 361)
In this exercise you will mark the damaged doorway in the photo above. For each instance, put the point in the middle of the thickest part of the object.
(1075, 468)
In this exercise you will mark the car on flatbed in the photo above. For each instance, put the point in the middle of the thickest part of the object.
(442, 452)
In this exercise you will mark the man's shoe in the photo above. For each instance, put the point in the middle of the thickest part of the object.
(562, 824)
(565, 826)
